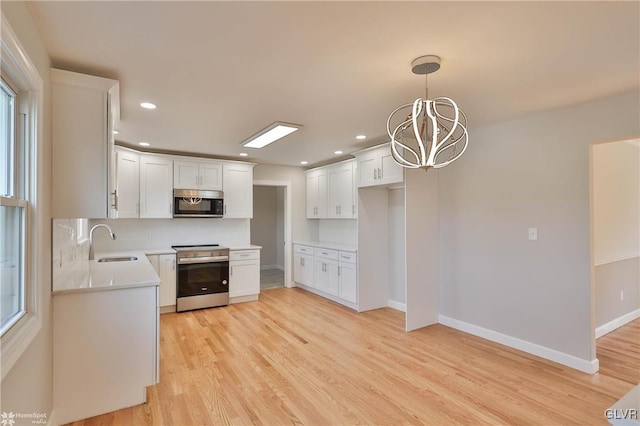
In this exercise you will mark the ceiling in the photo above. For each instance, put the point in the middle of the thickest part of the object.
(221, 71)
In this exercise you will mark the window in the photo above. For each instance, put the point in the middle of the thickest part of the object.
(22, 218)
(12, 213)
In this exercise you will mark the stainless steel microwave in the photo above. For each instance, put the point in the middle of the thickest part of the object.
(197, 203)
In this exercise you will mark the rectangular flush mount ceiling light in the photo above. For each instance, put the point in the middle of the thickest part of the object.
(270, 134)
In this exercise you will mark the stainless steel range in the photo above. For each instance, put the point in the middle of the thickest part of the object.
(202, 277)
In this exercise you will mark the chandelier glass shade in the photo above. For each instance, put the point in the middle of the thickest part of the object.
(428, 132)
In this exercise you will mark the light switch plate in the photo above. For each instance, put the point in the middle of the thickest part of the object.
(533, 234)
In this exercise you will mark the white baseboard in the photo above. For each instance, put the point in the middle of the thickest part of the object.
(397, 305)
(617, 323)
(580, 364)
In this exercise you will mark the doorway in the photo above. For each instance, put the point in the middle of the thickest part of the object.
(271, 229)
(615, 208)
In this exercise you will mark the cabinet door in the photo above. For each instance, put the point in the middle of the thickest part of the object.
(244, 278)
(156, 189)
(211, 176)
(323, 199)
(186, 175)
(303, 269)
(367, 170)
(237, 182)
(320, 277)
(312, 196)
(82, 144)
(390, 171)
(331, 269)
(341, 191)
(348, 282)
(127, 184)
(167, 267)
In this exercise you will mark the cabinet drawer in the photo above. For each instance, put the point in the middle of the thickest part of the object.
(348, 257)
(244, 254)
(302, 249)
(326, 253)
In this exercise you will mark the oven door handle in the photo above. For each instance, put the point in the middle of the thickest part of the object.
(209, 259)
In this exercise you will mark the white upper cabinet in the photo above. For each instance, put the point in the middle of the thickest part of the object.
(237, 185)
(317, 194)
(375, 166)
(331, 191)
(341, 191)
(85, 110)
(197, 175)
(156, 186)
(127, 185)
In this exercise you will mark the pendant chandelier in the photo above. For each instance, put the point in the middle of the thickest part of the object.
(431, 132)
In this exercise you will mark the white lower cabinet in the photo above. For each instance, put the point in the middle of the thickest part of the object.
(105, 350)
(165, 266)
(244, 274)
(303, 265)
(348, 277)
(332, 272)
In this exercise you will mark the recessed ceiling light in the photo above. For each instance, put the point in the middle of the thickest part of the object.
(115, 132)
(337, 152)
(361, 137)
(304, 163)
(270, 134)
(148, 105)
(243, 154)
(144, 143)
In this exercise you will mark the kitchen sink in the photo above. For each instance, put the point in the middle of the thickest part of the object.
(117, 259)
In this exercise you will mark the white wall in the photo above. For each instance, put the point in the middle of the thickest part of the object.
(616, 201)
(532, 172)
(27, 387)
(340, 231)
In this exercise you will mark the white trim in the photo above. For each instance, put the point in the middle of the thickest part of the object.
(607, 260)
(397, 305)
(23, 73)
(288, 281)
(617, 323)
(51, 419)
(580, 364)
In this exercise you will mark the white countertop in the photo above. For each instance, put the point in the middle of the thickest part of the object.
(247, 247)
(91, 275)
(331, 246)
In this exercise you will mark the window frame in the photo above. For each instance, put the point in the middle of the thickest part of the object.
(19, 70)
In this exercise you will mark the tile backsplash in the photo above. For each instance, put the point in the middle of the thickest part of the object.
(70, 243)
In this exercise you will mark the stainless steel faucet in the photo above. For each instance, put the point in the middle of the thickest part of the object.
(100, 225)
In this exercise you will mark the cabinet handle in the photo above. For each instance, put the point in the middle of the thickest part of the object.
(231, 271)
(244, 255)
(225, 209)
(115, 199)
(302, 261)
(375, 173)
(379, 173)
(338, 271)
(174, 264)
(353, 209)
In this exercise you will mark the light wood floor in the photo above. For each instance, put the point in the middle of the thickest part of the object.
(295, 358)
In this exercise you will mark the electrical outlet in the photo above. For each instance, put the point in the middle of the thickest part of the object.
(621, 295)
(533, 234)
